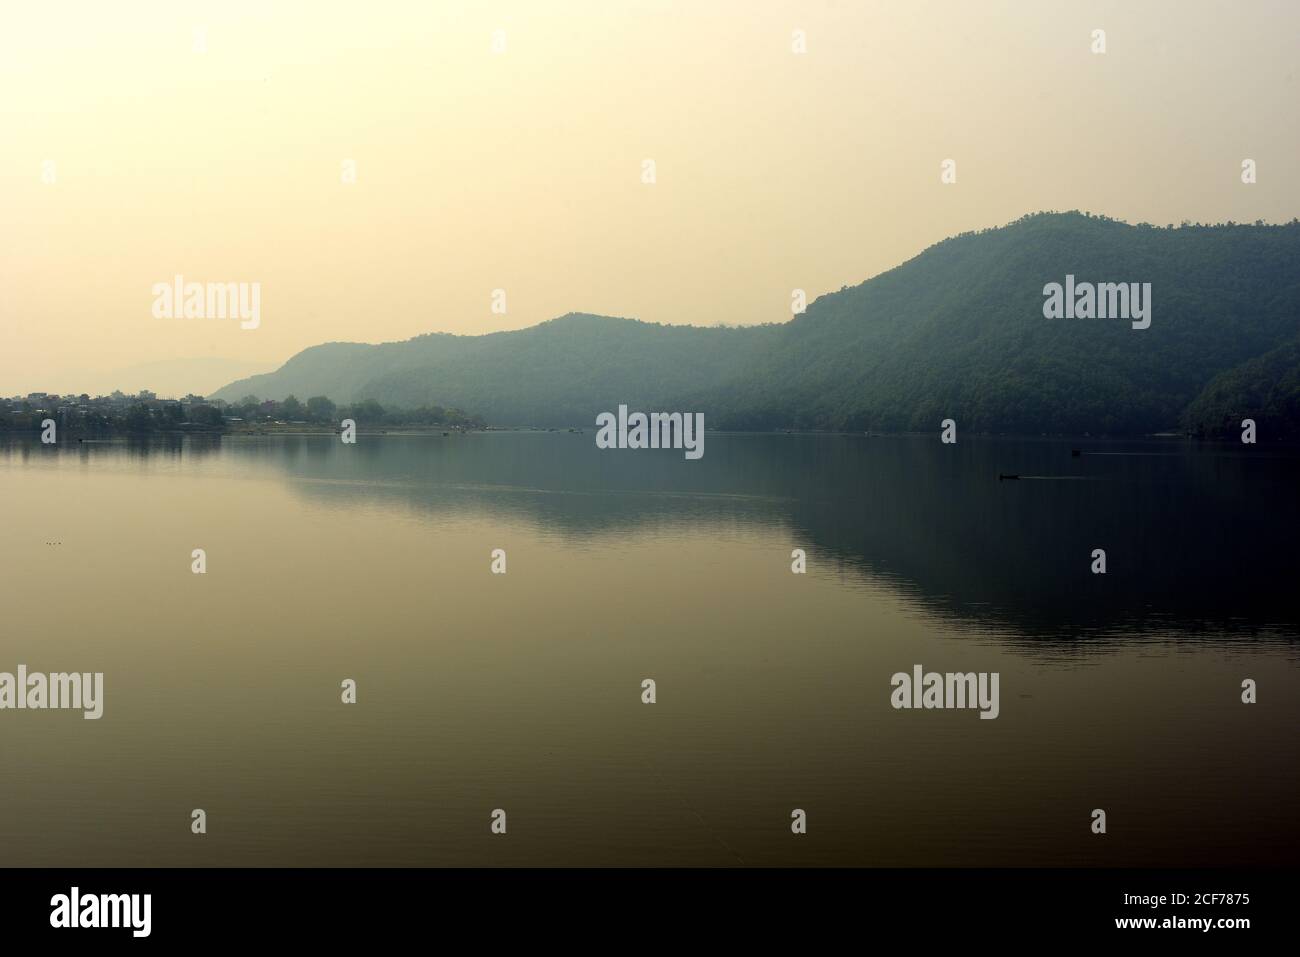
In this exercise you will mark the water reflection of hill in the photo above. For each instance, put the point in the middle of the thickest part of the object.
(1199, 539)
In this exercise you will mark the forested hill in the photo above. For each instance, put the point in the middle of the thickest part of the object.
(957, 332)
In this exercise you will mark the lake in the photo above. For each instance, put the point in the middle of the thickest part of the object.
(523, 691)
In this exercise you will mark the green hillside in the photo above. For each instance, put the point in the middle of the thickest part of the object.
(957, 332)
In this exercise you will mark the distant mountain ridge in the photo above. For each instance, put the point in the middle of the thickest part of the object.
(956, 332)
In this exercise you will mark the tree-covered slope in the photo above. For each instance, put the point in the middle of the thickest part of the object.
(957, 332)
(1265, 388)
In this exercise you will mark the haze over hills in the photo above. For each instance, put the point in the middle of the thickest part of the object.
(956, 332)
(175, 377)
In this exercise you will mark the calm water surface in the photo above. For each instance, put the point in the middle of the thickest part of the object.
(480, 691)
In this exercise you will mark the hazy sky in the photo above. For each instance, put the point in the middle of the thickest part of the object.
(522, 170)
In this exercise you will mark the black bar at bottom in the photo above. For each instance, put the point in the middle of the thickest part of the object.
(670, 908)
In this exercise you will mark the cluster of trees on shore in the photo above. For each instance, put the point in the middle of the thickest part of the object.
(134, 418)
(144, 415)
(320, 410)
